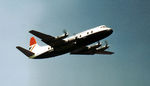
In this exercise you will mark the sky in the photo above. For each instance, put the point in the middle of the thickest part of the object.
(129, 19)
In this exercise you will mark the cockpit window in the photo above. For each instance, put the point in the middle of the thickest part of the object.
(102, 26)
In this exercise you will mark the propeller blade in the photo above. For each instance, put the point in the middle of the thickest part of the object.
(98, 43)
(65, 32)
(106, 44)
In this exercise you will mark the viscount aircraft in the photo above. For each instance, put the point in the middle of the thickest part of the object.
(78, 44)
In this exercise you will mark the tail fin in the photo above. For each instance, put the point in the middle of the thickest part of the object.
(26, 52)
(33, 44)
(32, 41)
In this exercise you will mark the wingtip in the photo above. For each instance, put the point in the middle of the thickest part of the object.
(31, 31)
(112, 52)
(17, 47)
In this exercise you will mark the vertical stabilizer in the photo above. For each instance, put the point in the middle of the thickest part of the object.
(34, 47)
(32, 41)
(33, 44)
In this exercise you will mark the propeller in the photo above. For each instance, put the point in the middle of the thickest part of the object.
(106, 44)
(103, 48)
(65, 32)
(98, 43)
(63, 35)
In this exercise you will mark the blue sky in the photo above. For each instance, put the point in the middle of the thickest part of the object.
(129, 66)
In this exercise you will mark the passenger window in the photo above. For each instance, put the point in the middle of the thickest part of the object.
(80, 35)
(91, 31)
(87, 32)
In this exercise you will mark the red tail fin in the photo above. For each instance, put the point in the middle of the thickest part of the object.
(32, 41)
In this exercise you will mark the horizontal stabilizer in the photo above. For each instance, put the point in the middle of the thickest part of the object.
(26, 52)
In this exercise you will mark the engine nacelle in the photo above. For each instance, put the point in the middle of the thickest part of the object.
(62, 36)
(94, 46)
(102, 48)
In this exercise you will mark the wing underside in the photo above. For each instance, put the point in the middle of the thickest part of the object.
(92, 50)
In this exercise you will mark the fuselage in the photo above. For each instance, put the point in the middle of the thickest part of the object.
(81, 39)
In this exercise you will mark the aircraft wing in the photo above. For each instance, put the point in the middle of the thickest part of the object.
(41, 35)
(105, 52)
(92, 53)
(48, 39)
(85, 51)
(82, 53)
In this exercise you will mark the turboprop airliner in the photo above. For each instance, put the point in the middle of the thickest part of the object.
(78, 44)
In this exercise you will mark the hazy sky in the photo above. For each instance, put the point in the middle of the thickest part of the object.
(129, 66)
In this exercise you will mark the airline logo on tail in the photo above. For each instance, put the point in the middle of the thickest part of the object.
(32, 43)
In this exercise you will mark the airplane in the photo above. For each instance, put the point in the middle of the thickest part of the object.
(78, 44)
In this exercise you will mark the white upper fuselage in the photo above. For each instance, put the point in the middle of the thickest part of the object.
(88, 32)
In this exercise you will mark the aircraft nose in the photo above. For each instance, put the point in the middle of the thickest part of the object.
(110, 30)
